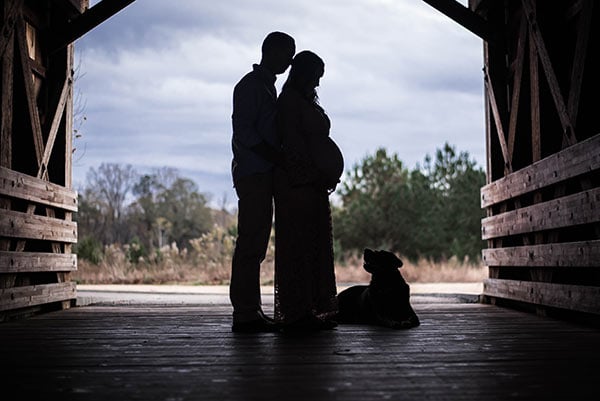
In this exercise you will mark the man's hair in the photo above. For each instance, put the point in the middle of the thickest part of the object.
(277, 41)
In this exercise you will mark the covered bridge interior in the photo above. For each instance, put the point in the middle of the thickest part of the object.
(542, 230)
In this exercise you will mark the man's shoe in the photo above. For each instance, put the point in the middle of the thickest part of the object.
(260, 325)
(262, 315)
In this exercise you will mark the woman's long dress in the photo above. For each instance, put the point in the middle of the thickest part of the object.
(304, 264)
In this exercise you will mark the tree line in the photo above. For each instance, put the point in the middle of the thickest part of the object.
(146, 212)
(431, 211)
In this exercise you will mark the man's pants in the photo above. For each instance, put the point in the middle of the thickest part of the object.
(255, 217)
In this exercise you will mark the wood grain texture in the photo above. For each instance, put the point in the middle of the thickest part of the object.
(569, 254)
(24, 225)
(529, 9)
(572, 297)
(22, 297)
(460, 352)
(19, 262)
(576, 160)
(22, 186)
(579, 208)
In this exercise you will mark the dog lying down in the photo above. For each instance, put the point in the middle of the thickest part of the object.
(385, 301)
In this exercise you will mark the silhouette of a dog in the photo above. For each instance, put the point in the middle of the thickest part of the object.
(385, 301)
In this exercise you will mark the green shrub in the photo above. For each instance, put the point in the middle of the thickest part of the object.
(90, 249)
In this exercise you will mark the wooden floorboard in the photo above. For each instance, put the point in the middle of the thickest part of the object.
(460, 352)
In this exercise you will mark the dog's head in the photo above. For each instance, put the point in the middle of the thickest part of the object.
(380, 261)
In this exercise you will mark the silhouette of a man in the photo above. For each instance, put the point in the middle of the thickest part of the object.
(256, 151)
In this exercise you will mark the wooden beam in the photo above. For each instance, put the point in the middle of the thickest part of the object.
(567, 254)
(22, 297)
(79, 5)
(23, 225)
(516, 87)
(559, 102)
(579, 159)
(488, 122)
(583, 34)
(498, 120)
(534, 86)
(6, 120)
(568, 211)
(572, 297)
(22, 186)
(465, 17)
(87, 21)
(68, 165)
(69, 120)
(20, 262)
(60, 108)
(34, 113)
(12, 13)
(575, 8)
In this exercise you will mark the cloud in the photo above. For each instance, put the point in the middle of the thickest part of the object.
(157, 80)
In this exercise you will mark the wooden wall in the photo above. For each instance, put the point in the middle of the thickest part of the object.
(36, 198)
(543, 154)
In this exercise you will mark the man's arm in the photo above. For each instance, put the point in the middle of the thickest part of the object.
(246, 99)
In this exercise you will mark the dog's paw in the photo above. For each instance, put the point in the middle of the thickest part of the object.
(392, 324)
(411, 322)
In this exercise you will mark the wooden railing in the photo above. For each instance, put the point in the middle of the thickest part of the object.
(36, 234)
(542, 220)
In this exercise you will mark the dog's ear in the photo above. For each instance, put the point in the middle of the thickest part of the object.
(391, 259)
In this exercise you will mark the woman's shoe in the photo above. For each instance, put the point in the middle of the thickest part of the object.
(263, 324)
(309, 323)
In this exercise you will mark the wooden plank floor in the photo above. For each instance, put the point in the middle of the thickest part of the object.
(157, 352)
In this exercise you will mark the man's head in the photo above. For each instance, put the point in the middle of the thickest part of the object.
(278, 49)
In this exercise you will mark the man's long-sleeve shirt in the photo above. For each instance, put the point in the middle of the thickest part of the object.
(253, 120)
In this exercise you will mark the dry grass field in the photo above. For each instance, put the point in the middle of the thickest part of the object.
(212, 266)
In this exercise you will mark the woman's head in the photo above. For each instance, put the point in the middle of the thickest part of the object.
(307, 69)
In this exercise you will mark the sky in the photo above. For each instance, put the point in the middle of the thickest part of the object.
(154, 82)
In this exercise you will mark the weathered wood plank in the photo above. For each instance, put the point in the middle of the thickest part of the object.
(534, 87)
(79, 5)
(60, 107)
(12, 11)
(19, 262)
(22, 297)
(516, 88)
(6, 97)
(581, 158)
(583, 34)
(489, 154)
(530, 12)
(579, 208)
(83, 23)
(188, 352)
(69, 119)
(572, 297)
(23, 186)
(498, 121)
(465, 17)
(22, 225)
(34, 114)
(582, 254)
